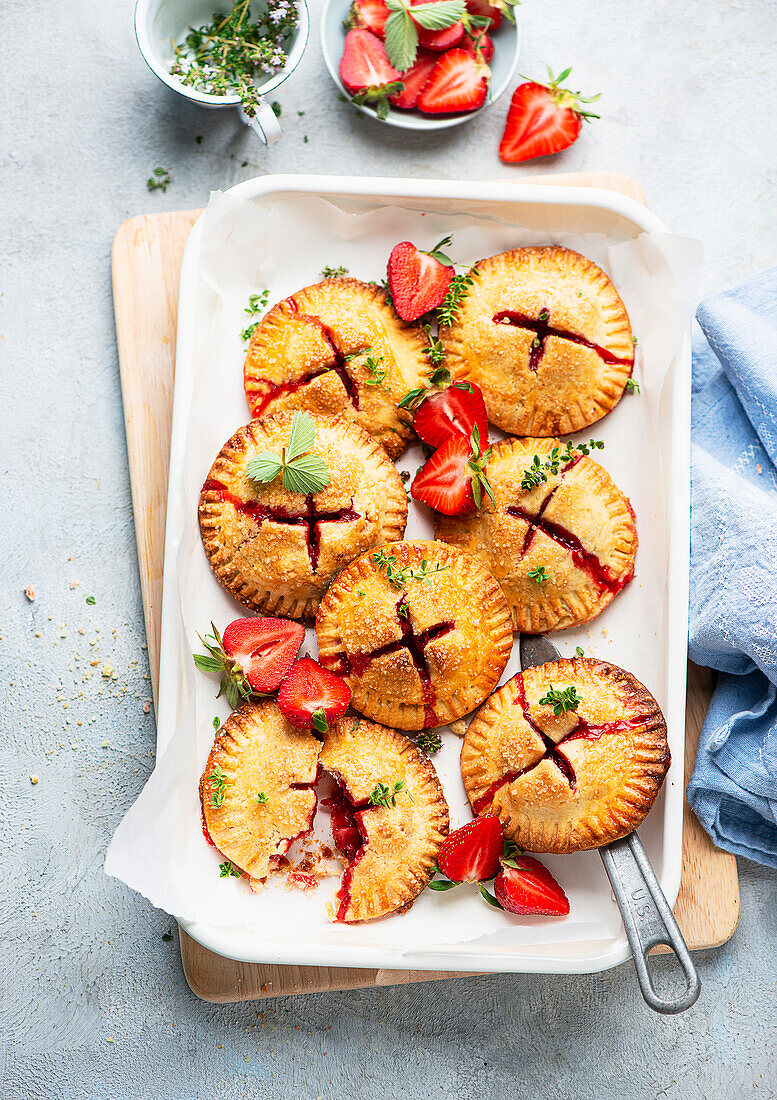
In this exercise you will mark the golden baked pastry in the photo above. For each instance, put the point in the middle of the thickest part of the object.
(561, 550)
(276, 551)
(338, 347)
(257, 788)
(573, 780)
(421, 632)
(545, 335)
(390, 792)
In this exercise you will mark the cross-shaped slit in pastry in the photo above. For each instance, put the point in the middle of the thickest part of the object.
(311, 518)
(542, 329)
(259, 400)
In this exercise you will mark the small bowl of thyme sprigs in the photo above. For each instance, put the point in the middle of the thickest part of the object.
(224, 58)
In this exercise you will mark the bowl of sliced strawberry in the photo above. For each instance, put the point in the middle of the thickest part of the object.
(421, 64)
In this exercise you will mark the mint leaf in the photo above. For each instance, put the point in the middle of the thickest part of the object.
(438, 16)
(301, 437)
(264, 467)
(402, 39)
(306, 474)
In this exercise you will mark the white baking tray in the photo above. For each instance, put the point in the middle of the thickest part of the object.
(557, 212)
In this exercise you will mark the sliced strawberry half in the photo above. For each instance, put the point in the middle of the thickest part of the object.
(495, 12)
(543, 119)
(311, 696)
(265, 649)
(478, 43)
(368, 15)
(458, 82)
(528, 888)
(441, 40)
(453, 411)
(414, 79)
(471, 853)
(366, 71)
(453, 479)
(417, 280)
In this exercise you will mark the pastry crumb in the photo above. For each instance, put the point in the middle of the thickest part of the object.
(459, 727)
(29, 592)
(33, 779)
(107, 670)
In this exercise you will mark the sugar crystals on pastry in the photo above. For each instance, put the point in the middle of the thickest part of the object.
(561, 548)
(389, 817)
(276, 550)
(421, 632)
(545, 335)
(569, 755)
(338, 347)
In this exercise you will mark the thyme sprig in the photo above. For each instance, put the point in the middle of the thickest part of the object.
(160, 180)
(383, 795)
(538, 575)
(257, 303)
(400, 575)
(333, 272)
(227, 56)
(538, 471)
(561, 701)
(217, 781)
(429, 742)
(458, 291)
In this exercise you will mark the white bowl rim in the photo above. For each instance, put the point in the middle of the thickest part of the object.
(146, 9)
(417, 122)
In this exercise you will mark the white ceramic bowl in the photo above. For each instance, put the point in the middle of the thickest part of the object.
(507, 46)
(159, 23)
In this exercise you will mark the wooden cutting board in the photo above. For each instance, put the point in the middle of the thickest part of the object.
(146, 260)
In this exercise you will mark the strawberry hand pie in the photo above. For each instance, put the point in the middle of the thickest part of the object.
(558, 535)
(338, 348)
(420, 631)
(569, 755)
(545, 335)
(278, 522)
(388, 818)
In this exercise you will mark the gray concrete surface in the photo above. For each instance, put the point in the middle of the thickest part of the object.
(93, 1002)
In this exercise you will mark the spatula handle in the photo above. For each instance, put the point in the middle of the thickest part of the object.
(648, 919)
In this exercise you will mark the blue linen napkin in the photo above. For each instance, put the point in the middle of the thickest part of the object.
(733, 605)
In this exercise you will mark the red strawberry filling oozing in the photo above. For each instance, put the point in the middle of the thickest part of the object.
(310, 518)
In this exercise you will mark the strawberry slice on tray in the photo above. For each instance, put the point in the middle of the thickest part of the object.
(452, 411)
(527, 888)
(366, 71)
(458, 82)
(265, 649)
(543, 119)
(472, 853)
(453, 479)
(311, 696)
(418, 280)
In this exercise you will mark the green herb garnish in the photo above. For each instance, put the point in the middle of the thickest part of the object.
(160, 180)
(300, 472)
(217, 781)
(538, 575)
(429, 742)
(632, 386)
(318, 720)
(377, 373)
(561, 701)
(227, 55)
(383, 795)
(476, 468)
(91, 601)
(579, 651)
(331, 272)
(228, 870)
(261, 798)
(400, 575)
(538, 471)
(459, 289)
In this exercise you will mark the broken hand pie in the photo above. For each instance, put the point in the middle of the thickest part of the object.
(338, 347)
(390, 793)
(561, 550)
(545, 335)
(421, 632)
(257, 790)
(276, 551)
(572, 780)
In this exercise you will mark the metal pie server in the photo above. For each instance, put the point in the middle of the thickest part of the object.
(647, 917)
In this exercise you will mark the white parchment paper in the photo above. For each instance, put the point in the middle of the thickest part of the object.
(282, 243)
